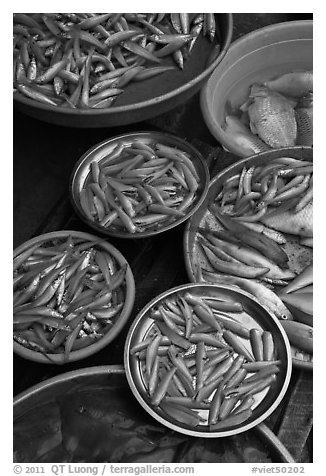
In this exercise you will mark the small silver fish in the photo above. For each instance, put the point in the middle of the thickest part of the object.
(265, 295)
(176, 22)
(294, 84)
(241, 135)
(304, 118)
(276, 236)
(271, 116)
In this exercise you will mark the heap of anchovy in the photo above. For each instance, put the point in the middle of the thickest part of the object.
(85, 60)
(201, 365)
(67, 295)
(139, 187)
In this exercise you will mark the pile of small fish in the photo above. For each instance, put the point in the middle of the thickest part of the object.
(201, 365)
(278, 113)
(245, 245)
(139, 187)
(278, 194)
(85, 60)
(67, 294)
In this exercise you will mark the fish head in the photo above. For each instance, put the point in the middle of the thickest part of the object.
(242, 136)
(245, 106)
(283, 314)
(305, 101)
(259, 91)
(233, 125)
(256, 90)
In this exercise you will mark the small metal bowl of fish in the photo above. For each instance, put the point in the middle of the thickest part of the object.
(138, 184)
(73, 293)
(112, 69)
(261, 96)
(260, 239)
(207, 360)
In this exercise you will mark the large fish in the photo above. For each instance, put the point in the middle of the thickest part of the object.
(242, 136)
(295, 84)
(304, 118)
(271, 116)
(300, 223)
(264, 295)
(251, 257)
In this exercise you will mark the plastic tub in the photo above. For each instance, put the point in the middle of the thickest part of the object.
(256, 57)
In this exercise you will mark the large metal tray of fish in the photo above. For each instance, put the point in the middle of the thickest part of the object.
(89, 415)
(204, 224)
(198, 370)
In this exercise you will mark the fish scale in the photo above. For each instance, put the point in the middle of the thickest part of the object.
(295, 223)
(304, 118)
(272, 117)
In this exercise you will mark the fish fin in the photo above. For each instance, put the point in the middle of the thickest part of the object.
(305, 101)
(253, 128)
(258, 89)
(245, 106)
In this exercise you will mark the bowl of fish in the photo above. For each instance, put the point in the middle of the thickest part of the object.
(207, 360)
(254, 231)
(261, 96)
(73, 293)
(138, 184)
(89, 415)
(110, 69)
